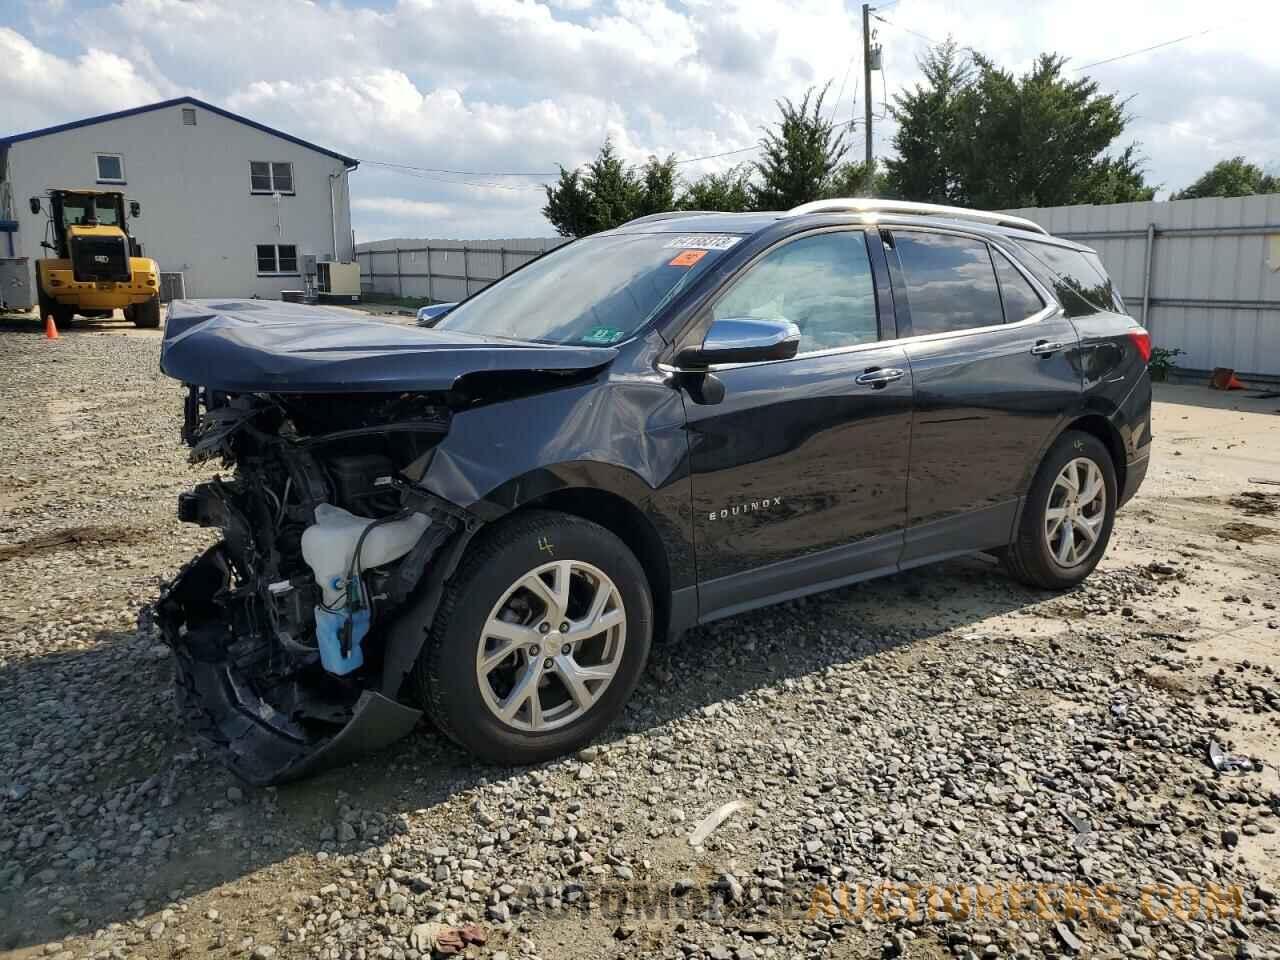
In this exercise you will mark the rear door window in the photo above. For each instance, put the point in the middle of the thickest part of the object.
(1020, 298)
(951, 284)
(1077, 276)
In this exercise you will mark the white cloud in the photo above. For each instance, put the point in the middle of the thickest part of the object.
(401, 207)
(515, 86)
(38, 88)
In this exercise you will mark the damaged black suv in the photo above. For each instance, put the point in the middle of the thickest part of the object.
(491, 519)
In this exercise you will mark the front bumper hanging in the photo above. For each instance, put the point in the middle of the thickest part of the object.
(261, 742)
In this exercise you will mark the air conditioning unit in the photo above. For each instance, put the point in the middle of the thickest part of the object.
(338, 282)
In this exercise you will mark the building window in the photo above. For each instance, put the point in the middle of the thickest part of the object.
(277, 259)
(189, 116)
(110, 168)
(267, 177)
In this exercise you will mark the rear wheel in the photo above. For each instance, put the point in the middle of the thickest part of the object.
(145, 315)
(540, 639)
(1067, 518)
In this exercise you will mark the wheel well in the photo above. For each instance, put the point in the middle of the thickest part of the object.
(1101, 428)
(625, 521)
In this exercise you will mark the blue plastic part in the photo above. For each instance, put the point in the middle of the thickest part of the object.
(329, 624)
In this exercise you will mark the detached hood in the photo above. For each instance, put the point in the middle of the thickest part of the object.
(268, 346)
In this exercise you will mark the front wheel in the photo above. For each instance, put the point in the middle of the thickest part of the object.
(145, 315)
(1067, 518)
(62, 316)
(539, 640)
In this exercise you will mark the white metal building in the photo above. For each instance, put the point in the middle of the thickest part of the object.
(229, 204)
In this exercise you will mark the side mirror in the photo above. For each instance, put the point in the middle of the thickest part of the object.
(746, 340)
(34, 203)
(135, 209)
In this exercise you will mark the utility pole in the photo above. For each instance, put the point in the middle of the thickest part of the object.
(866, 93)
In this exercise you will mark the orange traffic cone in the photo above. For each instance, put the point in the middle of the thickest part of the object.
(50, 328)
(1224, 378)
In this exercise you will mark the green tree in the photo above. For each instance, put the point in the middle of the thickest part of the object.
(608, 193)
(569, 205)
(1118, 179)
(976, 135)
(1040, 139)
(850, 180)
(799, 156)
(614, 189)
(1230, 178)
(729, 191)
(928, 136)
(658, 183)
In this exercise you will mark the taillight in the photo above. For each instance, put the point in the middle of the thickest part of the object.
(1142, 340)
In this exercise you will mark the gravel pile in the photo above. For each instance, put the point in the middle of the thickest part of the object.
(944, 732)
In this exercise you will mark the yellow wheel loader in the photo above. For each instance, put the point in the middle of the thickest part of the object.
(93, 264)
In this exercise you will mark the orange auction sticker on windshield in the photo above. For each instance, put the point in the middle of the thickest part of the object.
(686, 259)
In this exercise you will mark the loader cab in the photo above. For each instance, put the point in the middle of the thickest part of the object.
(78, 212)
(90, 228)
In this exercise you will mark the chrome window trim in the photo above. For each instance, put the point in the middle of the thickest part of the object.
(1047, 313)
(1051, 309)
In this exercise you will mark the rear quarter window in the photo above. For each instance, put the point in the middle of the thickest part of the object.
(1020, 298)
(1077, 277)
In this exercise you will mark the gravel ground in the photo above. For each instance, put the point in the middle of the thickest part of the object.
(1026, 772)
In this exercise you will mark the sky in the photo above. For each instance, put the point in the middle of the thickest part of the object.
(497, 89)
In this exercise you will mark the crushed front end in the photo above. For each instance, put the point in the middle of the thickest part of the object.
(292, 635)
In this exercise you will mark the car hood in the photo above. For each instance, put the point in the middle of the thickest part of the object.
(255, 346)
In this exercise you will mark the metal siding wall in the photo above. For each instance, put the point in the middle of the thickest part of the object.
(1208, 266)
(485, 261)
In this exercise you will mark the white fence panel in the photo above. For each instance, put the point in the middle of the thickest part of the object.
(443, 270)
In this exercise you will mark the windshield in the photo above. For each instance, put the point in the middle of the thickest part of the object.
(596, 291)
(79, 210)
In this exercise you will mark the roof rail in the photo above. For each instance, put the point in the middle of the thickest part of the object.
(667, 215)
(869, 205)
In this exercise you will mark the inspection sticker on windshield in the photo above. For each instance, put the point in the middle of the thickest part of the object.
(687, 258)
(703, 241)
(603, 335)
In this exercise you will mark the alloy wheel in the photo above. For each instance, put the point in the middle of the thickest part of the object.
(551, 646)
(1075, 513)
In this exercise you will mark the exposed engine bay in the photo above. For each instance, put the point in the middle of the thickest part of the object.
(282, 631)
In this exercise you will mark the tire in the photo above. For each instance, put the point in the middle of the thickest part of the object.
(145, 316)
(465, 702)
(1038, 555)
(62, 316)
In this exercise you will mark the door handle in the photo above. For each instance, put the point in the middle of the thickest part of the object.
(879, 376)
(1044, 348)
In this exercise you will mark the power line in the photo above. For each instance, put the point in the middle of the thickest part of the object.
(835, 108)
(730, 153)
(466, 173)
(716, 156)
(417, 174)
(1134, 53)
(915, 33)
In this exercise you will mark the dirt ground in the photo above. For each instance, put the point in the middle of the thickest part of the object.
(944, 726)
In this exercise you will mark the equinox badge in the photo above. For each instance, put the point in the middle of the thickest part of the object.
(751, 507)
